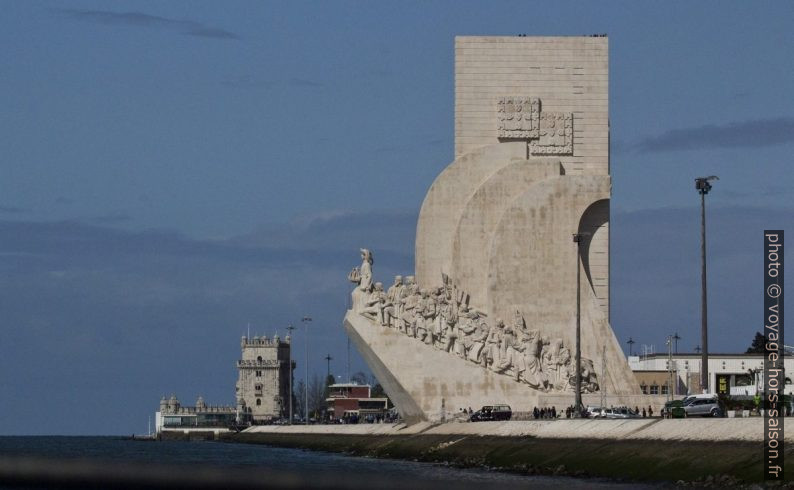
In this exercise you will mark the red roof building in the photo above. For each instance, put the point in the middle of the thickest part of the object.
(350, 399)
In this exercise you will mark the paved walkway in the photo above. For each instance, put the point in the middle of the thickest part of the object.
(691, 429)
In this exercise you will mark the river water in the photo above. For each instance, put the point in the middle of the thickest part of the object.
(249, 459)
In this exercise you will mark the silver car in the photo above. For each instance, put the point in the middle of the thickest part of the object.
(705, 407)
(620, 413)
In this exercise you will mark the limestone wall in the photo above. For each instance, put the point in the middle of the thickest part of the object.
(568, 74)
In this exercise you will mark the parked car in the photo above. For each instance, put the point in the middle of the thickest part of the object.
(594, 412)
(619, 413)
(492, 412)
(702, 396)
(703, 406)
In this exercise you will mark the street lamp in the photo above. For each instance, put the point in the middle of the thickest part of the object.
(328, 358)
(703, 186)
(290, 328)
(676, 338)
(577, 238)
(305, 320)
(631, 343)
(669, 343)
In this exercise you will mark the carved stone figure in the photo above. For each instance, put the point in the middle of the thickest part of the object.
(363, 278)
(589, 380)
(447, 325)
(567, 371)
(366, 270)
(507, 350)
(466, 328)
(441, 318)
(493, 346)
(375, 304)
(550, 360)
(426, 313)
(410, 302)
(532, 374)
(478, 351)
(394, 298)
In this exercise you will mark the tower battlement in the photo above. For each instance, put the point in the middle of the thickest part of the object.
(263, 383)
(263, 341)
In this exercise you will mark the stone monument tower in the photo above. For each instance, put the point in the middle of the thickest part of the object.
(494, 297)
(263, 382)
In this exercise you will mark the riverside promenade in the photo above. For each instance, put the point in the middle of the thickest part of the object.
(704, 451)
(655, 429)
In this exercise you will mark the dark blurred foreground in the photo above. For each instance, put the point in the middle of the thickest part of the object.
(26, 472)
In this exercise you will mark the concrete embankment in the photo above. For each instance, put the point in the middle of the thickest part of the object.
(640, 449)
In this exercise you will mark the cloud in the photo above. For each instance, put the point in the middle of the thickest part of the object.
(747, 134)
(113, 218)
(390, 234)
(12, 210)
(139, 19)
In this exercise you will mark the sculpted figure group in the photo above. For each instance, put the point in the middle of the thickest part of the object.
(441, 318)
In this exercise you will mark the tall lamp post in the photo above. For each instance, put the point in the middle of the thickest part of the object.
(703, 186)
(328, 359)
(305, 320)
(577, 238)
(290, 328)
(669, 343)
(676, 338)
(631, 343)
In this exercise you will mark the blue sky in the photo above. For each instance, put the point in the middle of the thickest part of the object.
(171, 171)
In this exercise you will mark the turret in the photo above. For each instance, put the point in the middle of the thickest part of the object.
(173, 404)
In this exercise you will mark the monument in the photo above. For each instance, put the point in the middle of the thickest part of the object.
(490, 314)
(262, 389)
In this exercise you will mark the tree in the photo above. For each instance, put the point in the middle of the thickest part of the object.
(316, 395)
(298, 400)
(759, 344)
(359, 378)
(329, 380)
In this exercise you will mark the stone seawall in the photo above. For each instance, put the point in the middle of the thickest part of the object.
(728, 450)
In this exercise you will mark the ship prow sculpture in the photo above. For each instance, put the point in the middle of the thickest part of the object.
(490, 314)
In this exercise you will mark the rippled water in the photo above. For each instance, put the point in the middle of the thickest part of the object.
(272, 459)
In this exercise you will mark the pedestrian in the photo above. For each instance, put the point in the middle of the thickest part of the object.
(637, 410)
(650, 411)
(553, 412)
(644, 414)
(535, 412)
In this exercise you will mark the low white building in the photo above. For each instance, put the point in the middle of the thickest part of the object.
(732, 374)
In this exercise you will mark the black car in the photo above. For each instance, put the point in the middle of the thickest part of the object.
(492, 412)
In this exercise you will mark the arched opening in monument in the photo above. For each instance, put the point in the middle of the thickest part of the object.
(594, 225)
